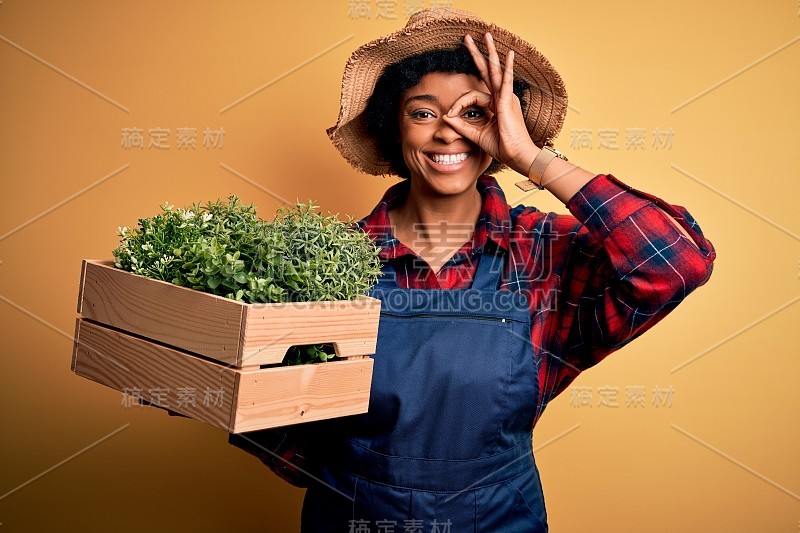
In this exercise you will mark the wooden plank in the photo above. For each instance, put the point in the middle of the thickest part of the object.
(75, 343)
(285, 395)
(80, 286)
(192, 320)
(271, 329)
(231, 332)
(250, 399)
(127, 363)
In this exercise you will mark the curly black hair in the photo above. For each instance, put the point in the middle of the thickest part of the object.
(380, 114)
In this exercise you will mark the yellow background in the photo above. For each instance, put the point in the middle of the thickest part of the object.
(723, 457)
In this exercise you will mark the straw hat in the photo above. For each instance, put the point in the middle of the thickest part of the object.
(442, 28)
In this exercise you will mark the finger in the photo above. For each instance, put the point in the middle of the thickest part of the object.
(474, 97)
(495, 73)
(507, 89)
(464, 128)
(479, 60)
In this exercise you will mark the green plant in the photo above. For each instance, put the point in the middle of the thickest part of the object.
(224, 248)
(320, 258)
(305, 354)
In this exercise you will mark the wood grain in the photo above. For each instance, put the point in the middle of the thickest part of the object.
(195, 321)
(160, 341)
(293, 394)
(271, 329)
(231, 332)
(249, 400)
(127, 364)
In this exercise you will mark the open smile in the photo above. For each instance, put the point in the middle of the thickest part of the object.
(447, 162)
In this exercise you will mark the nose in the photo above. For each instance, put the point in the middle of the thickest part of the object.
(445, 132)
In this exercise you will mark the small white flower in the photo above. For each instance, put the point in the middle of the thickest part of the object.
(187, 215)
(207, 217)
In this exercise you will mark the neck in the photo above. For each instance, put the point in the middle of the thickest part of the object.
(438, 220)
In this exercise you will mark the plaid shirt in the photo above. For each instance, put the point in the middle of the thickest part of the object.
(596, 279)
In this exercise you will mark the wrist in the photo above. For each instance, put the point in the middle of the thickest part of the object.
(524, 162)
(538, 164)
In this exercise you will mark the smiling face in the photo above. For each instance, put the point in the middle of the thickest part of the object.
(441, 160)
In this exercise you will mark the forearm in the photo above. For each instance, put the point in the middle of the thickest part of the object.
(631, 266)
(563, 180)
(280, 449)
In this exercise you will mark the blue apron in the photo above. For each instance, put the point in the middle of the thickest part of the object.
(447, 443)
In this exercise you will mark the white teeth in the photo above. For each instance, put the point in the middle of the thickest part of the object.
(449, 159)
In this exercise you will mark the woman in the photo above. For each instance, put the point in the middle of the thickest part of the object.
(488, 311)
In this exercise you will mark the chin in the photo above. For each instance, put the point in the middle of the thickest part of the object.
(451, 185)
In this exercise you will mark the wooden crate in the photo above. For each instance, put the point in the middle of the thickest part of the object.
(217, 360)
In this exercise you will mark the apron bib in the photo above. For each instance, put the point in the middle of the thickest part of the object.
(446, 444)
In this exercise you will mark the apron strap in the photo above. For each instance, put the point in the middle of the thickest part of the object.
(487, 276)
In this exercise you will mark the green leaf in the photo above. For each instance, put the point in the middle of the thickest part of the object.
(299, 255)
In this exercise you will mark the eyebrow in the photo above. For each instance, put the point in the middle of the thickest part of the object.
(427, 97)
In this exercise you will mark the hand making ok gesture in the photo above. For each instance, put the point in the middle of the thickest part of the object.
(504, 136)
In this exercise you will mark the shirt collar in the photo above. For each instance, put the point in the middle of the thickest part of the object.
(494, 222)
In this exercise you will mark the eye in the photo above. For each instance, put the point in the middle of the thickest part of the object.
(474, 112)
(420, 113)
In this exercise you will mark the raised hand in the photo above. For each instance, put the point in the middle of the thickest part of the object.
(504, 135)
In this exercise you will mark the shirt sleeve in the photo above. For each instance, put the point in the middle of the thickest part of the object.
(626, 269)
